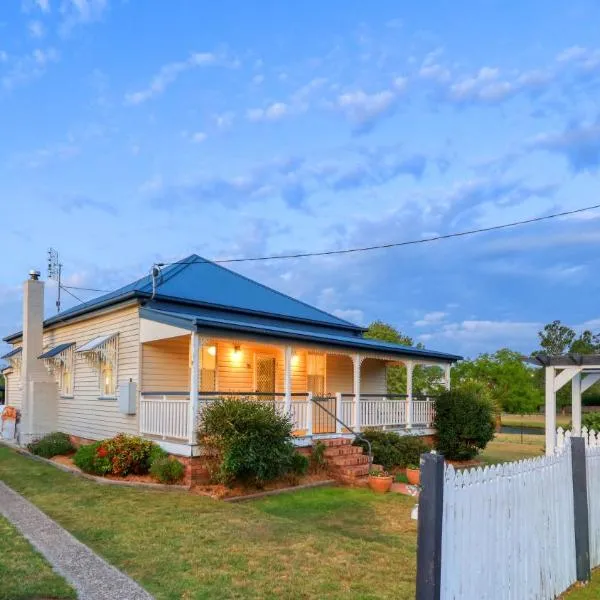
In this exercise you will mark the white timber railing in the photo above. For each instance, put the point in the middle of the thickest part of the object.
(165, 416)
(508, 531)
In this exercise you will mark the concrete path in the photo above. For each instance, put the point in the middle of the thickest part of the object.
(90, 575)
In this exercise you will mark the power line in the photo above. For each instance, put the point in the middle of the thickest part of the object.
(72, 294)
(398, 244)
(368, 248)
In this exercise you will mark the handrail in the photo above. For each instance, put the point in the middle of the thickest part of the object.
(357, 434)
(164, 393)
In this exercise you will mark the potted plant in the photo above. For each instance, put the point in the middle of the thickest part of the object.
(413, 474)
(380, 481)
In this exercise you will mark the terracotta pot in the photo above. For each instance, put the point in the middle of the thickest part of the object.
(413, 476)
(380, 485)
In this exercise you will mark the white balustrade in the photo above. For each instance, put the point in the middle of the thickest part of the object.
(164, 416)
(382, 411)
(423, 412)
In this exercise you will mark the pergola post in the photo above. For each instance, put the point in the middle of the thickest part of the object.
(550, 410)
(447, 368)
(576, 404)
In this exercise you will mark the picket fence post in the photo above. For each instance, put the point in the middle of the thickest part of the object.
(580, 507)
(429, 532)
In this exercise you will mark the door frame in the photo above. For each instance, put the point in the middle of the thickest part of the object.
(257, 356)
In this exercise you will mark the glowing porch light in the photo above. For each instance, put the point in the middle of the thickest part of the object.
(295, 359)
(237, 353)
(212, 350)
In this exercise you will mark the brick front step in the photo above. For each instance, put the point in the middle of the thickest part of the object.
(353, 459)
(342, 451)
(334, 442)
(352, 471)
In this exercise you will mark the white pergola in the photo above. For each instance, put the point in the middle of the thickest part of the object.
(583, 370)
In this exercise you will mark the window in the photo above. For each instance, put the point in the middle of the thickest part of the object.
(102, 354)
(60, 362)
(208, 374)
(315, 373)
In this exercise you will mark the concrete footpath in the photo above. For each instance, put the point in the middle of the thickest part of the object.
(88, 573)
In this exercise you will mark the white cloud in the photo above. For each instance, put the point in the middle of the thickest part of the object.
(36, 29)
(362, 108)
(274, 112)
(78, 12)
(224, 120)
(431, 318)
(44, 5)
(25, 68)
(199, 137)
(354, 315)
(169, 73)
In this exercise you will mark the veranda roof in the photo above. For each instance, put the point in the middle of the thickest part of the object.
(12, 353)
(56, 350)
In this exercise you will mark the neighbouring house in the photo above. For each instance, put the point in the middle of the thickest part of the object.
(147, 357)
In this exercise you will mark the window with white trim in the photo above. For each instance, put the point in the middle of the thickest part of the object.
(315, 373)
(208, 378)
(102, 353)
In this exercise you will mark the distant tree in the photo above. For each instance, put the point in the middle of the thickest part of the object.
(426, 380)
(556, 338)
(586, 343)
(510, 382)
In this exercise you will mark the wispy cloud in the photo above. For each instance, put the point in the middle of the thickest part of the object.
(579, 144)
(431, 318)
(81, 12)
(22, 69)
(36, 29)
(74, 203)
(169, 73)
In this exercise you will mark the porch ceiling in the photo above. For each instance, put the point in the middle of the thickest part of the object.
(212, 326)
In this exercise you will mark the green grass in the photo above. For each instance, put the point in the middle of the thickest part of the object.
(591, 591)
(507, 447)
(320, 543)
(536, 420)
(24, 573)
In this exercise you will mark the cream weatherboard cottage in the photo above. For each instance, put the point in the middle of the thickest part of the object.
(148, 357)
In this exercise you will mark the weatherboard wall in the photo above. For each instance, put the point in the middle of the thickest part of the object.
(13, 389)
(86, 414)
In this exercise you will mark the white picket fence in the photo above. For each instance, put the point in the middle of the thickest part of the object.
(508, 530)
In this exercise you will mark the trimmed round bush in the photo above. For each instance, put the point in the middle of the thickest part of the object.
(591, 420)
(120, 455)
(464, 420)
(51, 445)
(392, 450)
(250, 440)
(167, 469)
(92, 459)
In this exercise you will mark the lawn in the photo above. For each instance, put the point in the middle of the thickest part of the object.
(24, 573)
(536, 420)
(321, 543)
(507, 447)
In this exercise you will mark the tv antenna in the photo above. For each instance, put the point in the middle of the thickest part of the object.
(55, 272)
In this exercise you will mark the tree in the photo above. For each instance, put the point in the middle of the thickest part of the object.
(510, 382)
(426, 380)
(556, 338)
(586, 343)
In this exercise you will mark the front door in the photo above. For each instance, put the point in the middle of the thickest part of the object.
(265, 373)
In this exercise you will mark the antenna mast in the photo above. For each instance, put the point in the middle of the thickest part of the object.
(55, 272)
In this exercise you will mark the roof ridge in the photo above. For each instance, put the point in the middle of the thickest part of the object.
(266, 287)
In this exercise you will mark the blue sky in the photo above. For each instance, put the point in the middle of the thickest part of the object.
(139, 131)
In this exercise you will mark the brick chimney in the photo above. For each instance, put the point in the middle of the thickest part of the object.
(39, 389)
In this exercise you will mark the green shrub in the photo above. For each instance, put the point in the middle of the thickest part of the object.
(167, 469)
(300, 464)
(51, 445)
(120, 455)
(591, 420)
(317, 456)
(392, 450)
(464, 420)
(252, 442)
(89, 460)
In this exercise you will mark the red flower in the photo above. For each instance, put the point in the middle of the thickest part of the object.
(102, 452)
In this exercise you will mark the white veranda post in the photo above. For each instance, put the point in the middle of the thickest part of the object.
(287, 379)
(356, 362)
(550, 410)
(447, 369)
(409, 393)
(195, 383)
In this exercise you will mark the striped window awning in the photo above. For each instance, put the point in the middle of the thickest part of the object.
(56, 351)
(97, 344)
(12, 354)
